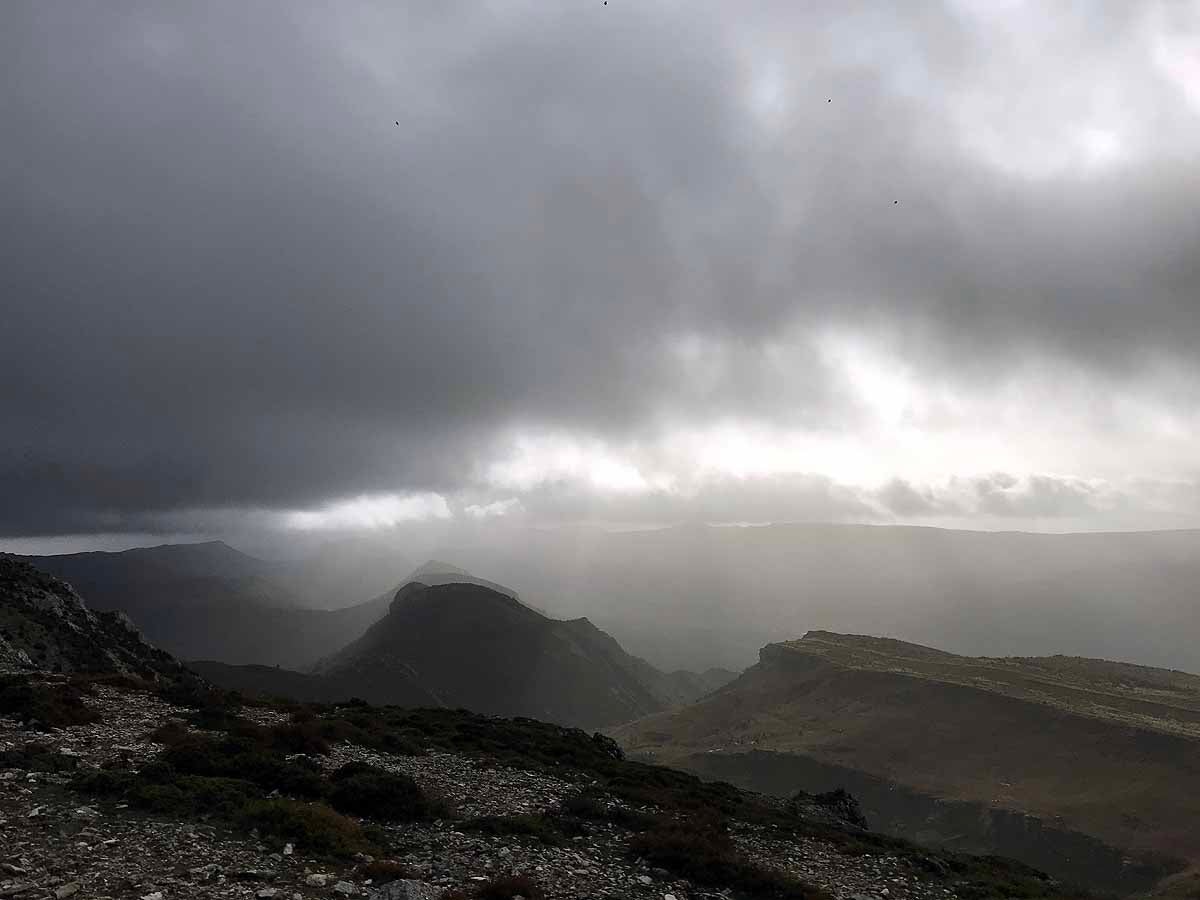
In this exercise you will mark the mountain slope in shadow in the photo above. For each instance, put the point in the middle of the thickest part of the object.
(465, 645)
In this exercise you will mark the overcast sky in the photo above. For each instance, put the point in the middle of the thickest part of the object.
(628, 264)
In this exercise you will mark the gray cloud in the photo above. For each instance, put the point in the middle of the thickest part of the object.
(231, 281)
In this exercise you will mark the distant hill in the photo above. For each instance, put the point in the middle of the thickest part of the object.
(462, 644)
(45, 625)
(210, 601)
(477, 648)
(1105, 749)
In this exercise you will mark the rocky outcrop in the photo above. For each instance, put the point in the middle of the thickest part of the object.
(45, 624)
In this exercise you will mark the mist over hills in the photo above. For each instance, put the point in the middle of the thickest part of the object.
(211, 601)
(460, 644)
(696, 595)
(443, 637)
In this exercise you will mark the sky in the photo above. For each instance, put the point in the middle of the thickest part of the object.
(296, 269)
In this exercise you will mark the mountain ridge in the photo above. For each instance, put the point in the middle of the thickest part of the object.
(1078, 742)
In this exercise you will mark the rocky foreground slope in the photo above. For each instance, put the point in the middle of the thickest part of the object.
(177, 791)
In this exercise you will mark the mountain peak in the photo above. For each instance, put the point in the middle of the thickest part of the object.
(469, 645)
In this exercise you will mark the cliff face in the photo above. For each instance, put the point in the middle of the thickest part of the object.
(45, 624)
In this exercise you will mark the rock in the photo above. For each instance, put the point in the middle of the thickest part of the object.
(316, 880)
(344, 887)
(266, 893)
(288, 849)
(645, 879)
(406, 889)
(156, 895)
(67, 890)
(668, 897)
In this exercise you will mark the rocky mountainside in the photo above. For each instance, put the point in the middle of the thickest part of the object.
(1088, 746)
(44, 624)
(175, 794)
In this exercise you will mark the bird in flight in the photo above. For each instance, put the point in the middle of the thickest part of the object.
(397, 123)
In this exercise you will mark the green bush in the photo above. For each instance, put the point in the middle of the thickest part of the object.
(193, 795)
(363, 790)
(314, 828)
(244, 758)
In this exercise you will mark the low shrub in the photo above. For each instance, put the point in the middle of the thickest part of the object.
(299, 737)
(539, 827)
(170, 733)
(44, 706)
(35, 757)
(314, 827)
(244, 758)
(591, 807)
(364, 790)
(193, 796)
(196, 693)
(701, 850)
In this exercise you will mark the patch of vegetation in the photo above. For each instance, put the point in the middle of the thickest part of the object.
(193, 692)
(159, 788)
(44, 706)
(590, 806)
(248, 759)
(542, 828)
(315, 827)
(702, 851)
(34, 757)
(364, 790)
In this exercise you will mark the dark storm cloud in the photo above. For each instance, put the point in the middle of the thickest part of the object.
(230, 281)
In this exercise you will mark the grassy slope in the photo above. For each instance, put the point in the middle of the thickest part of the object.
(1109, 748)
